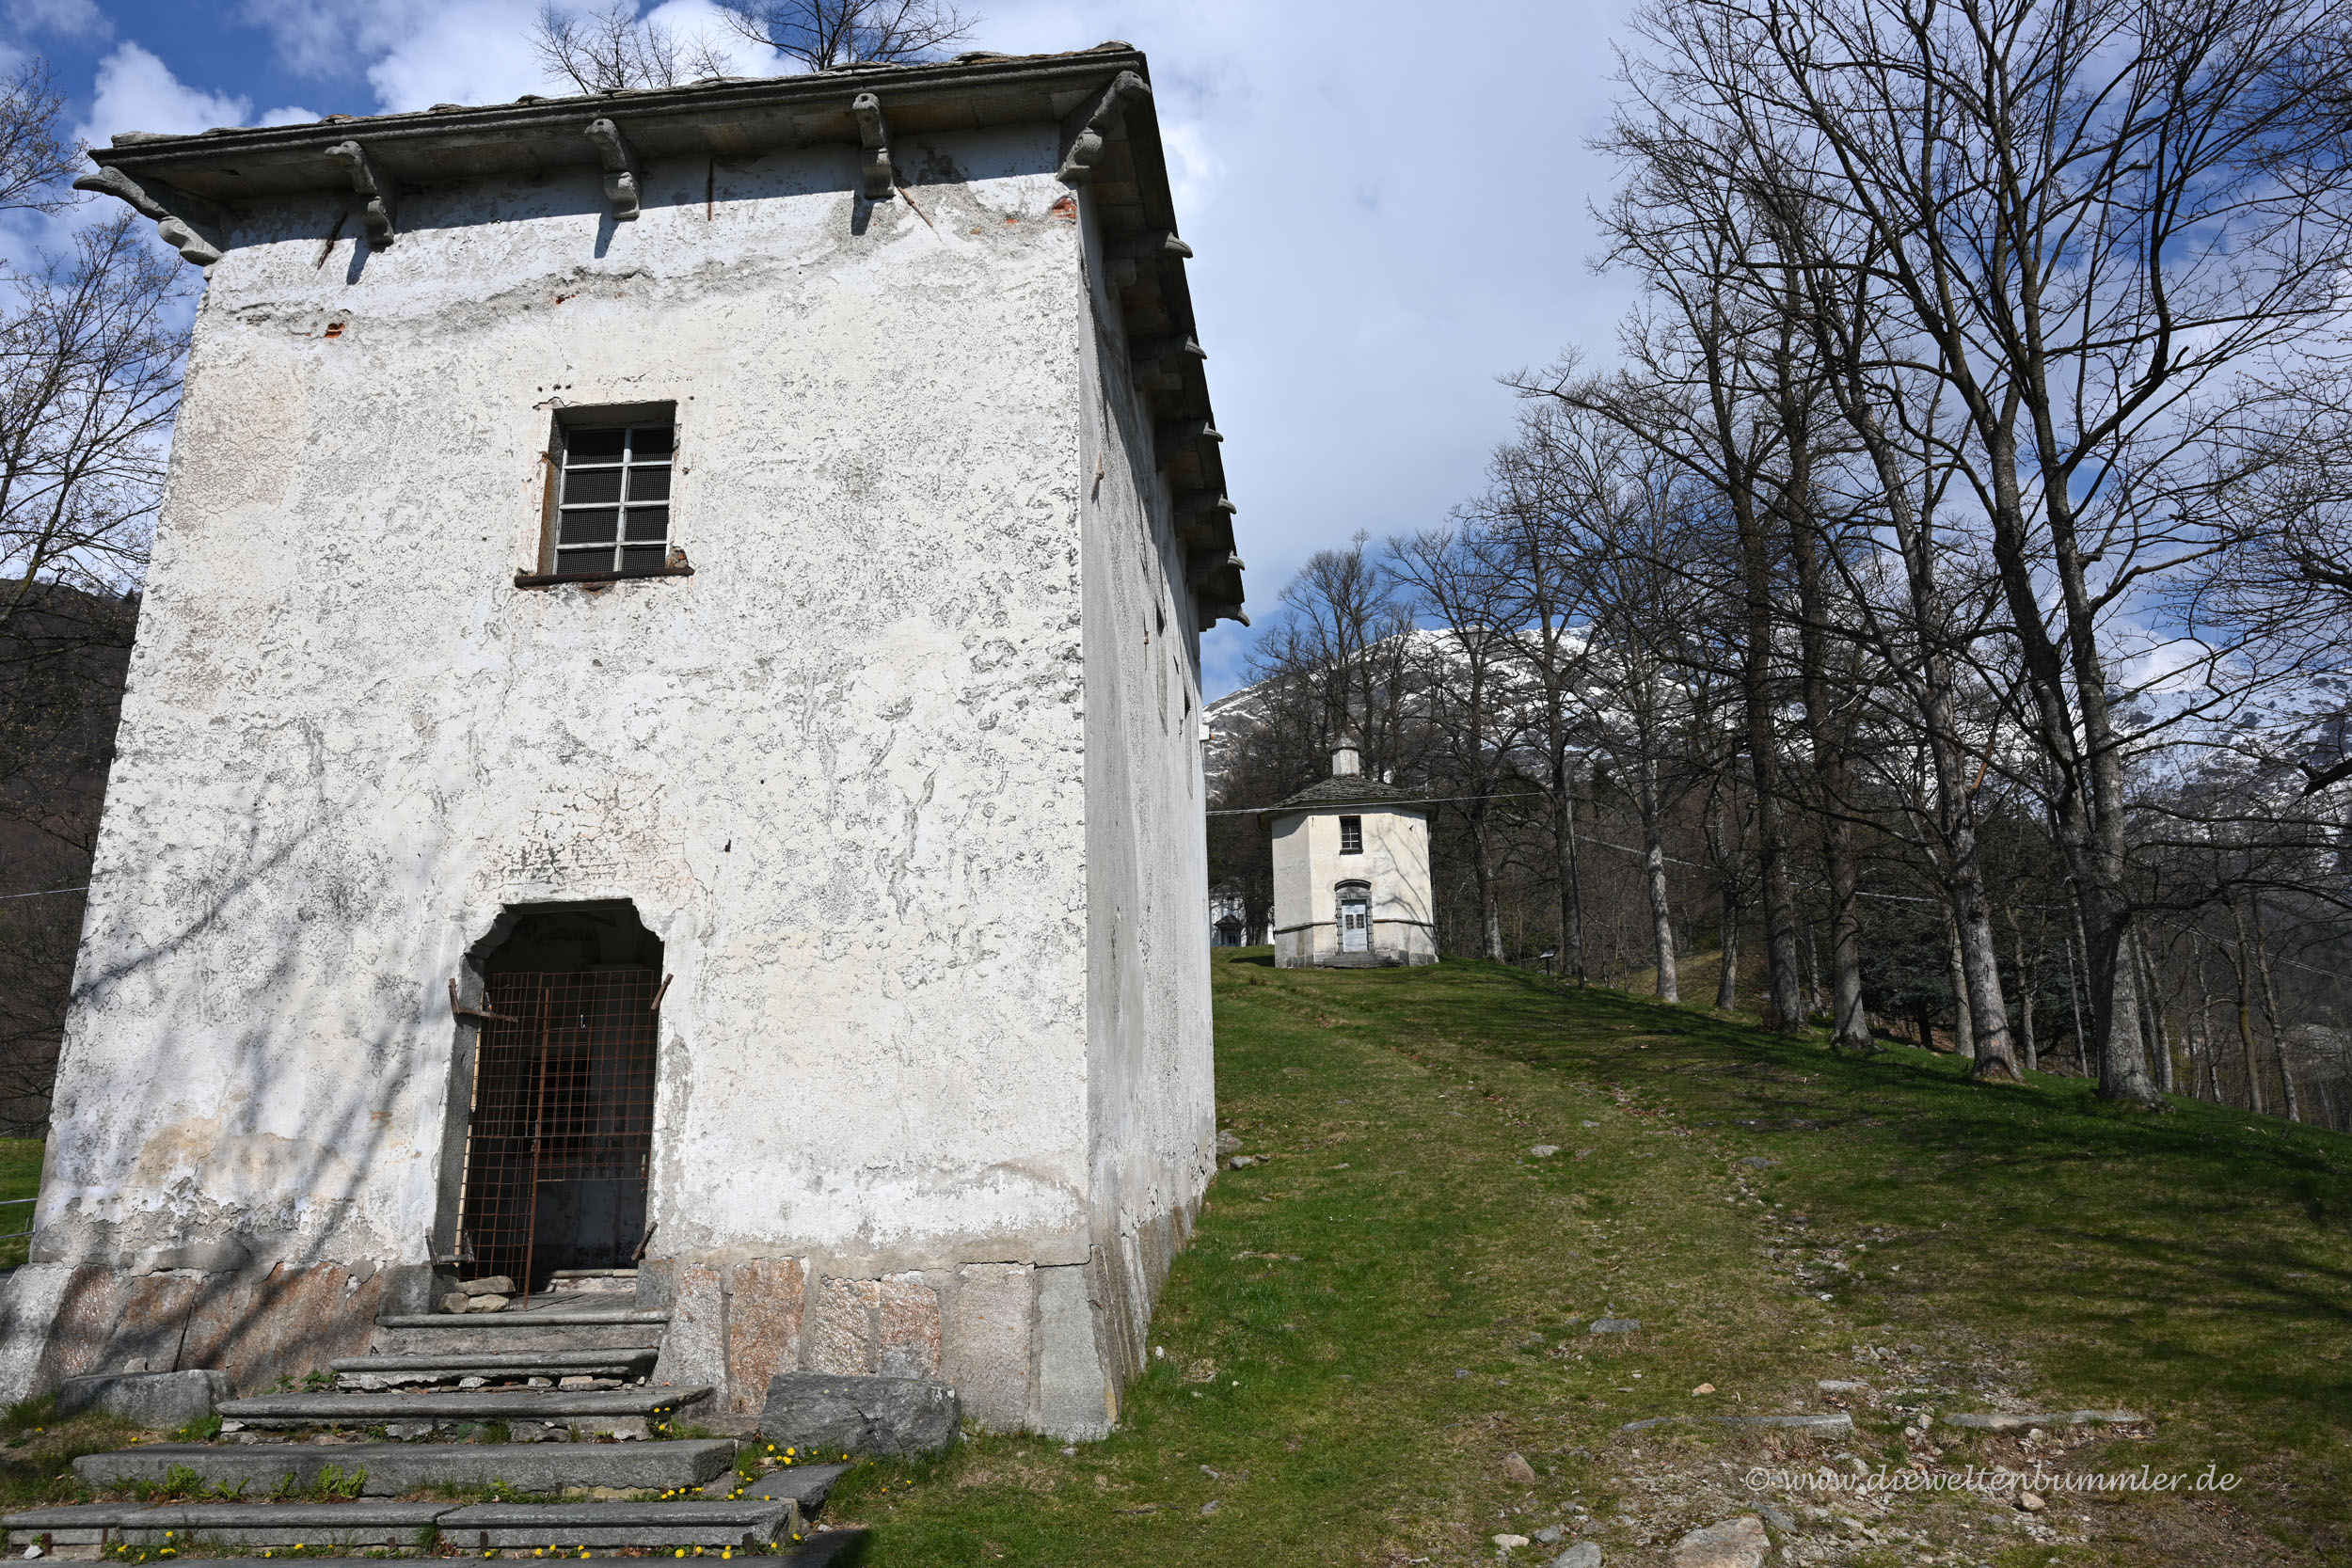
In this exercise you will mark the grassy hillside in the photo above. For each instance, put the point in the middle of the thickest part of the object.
(1378, 1349)
(1373, 1321)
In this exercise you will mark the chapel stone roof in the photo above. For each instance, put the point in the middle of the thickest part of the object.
(1345, 790)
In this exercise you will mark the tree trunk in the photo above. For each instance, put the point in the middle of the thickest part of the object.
(2242, 968)
(1654, 876)
(1849, 1029)
(2153, 999)
(1728, 975)
(2090, 802)
(1784, 1008)
(1963, 1034)
(2073, 986)
(2205, 1027)
(2024, 992)
(1571, 882)
(1482, 869)
(1995, 1058)
(2271, 1017)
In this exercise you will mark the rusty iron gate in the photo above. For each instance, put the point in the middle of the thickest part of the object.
(559, 1142)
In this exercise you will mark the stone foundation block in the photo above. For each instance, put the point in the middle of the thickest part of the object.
(763, 1326)
(841, 1332)
(986, 1353)
(1073, 1400)
(906, 1327)
(694, 1350)
(160, 1402)
(883, 1417)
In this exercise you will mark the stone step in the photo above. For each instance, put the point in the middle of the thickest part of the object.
(367, 1525)
(362, 1524)
(488, 1526)
(582, 1324)
(593, 1282)
(636, 1411)
(395, 1468)
(72, 1525)
(367, 1372)
(353, 1524)
(806, 1484)
(825, 1548)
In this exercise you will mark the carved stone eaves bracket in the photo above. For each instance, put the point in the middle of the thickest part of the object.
(620, 169)
(374, 187)
(1203, 567)
(874, 133)
(1090, 126)
(1160, 361)
(1135, 251)
(1202, 514)
(189, 224)
(1171, 438)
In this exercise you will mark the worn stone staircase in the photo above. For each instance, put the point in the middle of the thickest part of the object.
(521, 1431)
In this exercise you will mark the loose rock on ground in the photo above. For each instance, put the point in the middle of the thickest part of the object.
(1734, 1544)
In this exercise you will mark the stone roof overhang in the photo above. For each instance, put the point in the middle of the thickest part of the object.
(1338, 795)
(1099, 99)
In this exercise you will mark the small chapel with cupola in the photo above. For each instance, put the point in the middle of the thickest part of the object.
(1351, 873)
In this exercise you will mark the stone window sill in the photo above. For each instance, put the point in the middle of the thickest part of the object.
(559, 580)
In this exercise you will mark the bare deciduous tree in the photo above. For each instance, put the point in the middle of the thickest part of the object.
(90, 379)
(823, 34)
(613, 50)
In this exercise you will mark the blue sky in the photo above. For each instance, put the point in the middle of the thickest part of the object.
(1390, 203)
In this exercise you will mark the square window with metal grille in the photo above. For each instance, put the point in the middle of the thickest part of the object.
(1351, 836)
(613, 495)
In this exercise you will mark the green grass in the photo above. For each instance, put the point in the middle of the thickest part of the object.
(1367, 1326)
(20, 1177)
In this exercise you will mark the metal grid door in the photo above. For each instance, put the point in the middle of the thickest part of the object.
(562, 1116)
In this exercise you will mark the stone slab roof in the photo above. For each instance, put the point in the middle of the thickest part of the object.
(1332, 794)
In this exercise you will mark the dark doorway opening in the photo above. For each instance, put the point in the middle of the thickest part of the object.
(559, 1142)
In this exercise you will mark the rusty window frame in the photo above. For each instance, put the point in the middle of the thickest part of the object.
(647, 447)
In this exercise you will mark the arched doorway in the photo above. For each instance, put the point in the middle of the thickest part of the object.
(558, 1139)
(1355, 917)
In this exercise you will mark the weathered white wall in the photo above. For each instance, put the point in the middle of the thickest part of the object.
(1150, 1076)
(842, 772)
(1309, 867)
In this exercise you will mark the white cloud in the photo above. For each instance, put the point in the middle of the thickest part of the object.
(292, 113)
(415, 54)
(334, 42)
(464, 53)
(72, 19)
(136, 91)
(702, 20)
(1195, 170)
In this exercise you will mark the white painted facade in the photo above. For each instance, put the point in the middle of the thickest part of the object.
(1351, 875)
(904, 776)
